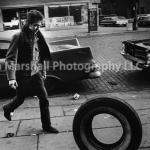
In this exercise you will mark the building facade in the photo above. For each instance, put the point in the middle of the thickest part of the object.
(144, 6)
(57, 13)
(124, 7)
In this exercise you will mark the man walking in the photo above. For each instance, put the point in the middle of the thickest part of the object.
(27, 50)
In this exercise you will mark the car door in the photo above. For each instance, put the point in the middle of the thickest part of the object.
(4, 44)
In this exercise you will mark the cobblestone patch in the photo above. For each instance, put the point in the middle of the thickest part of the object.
(110, 81)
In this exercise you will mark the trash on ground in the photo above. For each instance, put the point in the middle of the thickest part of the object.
(76, 96)
(11, 113)
(8, 135)
(76, 110)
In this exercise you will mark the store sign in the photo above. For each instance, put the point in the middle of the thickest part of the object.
(61, 21)
(91, 6)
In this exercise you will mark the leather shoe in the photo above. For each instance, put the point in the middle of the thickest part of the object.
(51, 130)
(7, 114)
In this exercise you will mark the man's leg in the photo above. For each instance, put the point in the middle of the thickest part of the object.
(10, 107)
(21, 93)
(44, 104)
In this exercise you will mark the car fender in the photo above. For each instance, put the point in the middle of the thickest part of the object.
(55, 78)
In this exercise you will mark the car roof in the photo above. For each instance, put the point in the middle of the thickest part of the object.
(114, 17)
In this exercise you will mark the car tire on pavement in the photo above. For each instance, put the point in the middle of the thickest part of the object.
(126, 115)
(50, 84)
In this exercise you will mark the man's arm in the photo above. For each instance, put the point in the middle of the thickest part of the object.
(43, 45)
(44, 70)
(11, 58)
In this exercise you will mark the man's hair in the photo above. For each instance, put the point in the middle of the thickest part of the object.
(34, 16)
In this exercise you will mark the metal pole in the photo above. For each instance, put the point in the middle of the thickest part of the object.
(134, 16)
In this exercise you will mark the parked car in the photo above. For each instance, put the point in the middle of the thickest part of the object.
(144, 20)
(13, 24)
(101, 17)
(141, 15)
(138, 52)
(65, 53)
(114, 21)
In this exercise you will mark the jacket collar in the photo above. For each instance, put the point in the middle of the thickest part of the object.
(28, 31)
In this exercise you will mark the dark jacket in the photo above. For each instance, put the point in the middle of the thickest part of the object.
(21, 49)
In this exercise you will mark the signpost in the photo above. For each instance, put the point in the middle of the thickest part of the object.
(135, 7)
(135, 18)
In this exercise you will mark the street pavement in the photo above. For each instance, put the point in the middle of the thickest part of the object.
(26, 124)
(77, 31)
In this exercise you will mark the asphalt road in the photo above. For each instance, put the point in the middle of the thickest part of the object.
(104, 48)
(117, 73)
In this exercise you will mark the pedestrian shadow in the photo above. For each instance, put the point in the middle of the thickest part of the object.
(67, 88)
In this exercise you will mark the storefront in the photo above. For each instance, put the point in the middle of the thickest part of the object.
(57, 13)
(67, 15)
(14, 18)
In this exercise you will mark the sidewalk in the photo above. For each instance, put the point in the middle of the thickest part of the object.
(77, 31)
(26, 123)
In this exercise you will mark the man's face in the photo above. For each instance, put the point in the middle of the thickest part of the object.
(35, 26)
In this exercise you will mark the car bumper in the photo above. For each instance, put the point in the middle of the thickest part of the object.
(94, 74)
(137, 62)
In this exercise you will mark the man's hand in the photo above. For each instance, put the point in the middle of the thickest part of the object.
(13, 84)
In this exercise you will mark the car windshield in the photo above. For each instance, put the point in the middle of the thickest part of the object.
(4, 45)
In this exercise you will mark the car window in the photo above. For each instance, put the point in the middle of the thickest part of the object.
(145, 18)
(121, 17)
(141, 18)
(4, 45)
(108, 18)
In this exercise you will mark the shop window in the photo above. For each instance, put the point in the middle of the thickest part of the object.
(13, 17)
(8, 15)
(75, 11)
(58, 11)
(142, 10)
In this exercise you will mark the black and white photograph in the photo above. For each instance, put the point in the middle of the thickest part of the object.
(75, 75)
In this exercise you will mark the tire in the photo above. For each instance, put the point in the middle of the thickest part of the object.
(50, 84)
(126, 115)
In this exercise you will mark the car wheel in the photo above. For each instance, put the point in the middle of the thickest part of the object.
(84, 133)
(50, 84)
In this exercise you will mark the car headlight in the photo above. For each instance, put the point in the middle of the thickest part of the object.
(123, 47)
